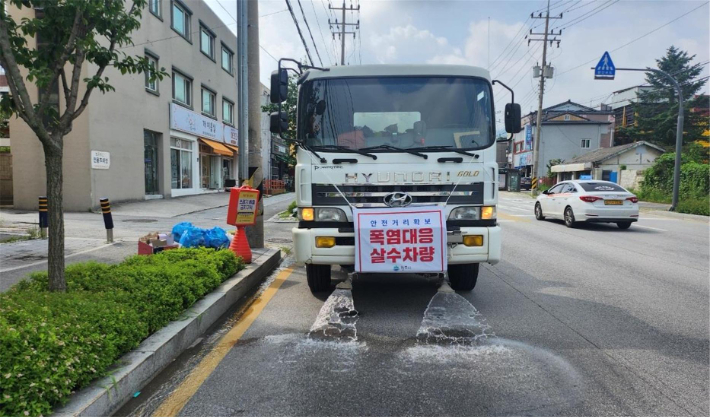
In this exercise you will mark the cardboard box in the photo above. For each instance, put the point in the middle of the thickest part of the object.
(155, 242)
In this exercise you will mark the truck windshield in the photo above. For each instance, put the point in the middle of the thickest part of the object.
(405, 112)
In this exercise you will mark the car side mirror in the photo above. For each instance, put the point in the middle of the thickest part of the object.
(279, 86)
(546, 192)
(279, 122)
(512, 118)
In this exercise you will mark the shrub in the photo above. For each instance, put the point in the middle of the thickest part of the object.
(54, 343)
(694, 206)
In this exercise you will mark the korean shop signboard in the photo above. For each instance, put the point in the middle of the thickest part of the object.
(196, 124)
(402, 240)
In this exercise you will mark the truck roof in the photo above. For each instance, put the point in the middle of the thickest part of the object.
(397, 70)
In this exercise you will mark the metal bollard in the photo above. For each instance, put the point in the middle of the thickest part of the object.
(108, 220)
(43, 217)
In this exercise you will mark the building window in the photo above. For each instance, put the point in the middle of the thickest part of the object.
(207, 42)
(227, 60)
(154, 6)
(182, 89)
(180, 163)
(227, 112)
(181, 20)
(567, 117)
(208, 102)
(586, 143)
(151, 85)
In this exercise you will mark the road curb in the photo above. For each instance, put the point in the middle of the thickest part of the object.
(138, 367)
(675, 215)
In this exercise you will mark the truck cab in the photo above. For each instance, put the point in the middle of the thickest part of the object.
(394, 136)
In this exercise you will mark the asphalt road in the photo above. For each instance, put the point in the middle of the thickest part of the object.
(588, 321)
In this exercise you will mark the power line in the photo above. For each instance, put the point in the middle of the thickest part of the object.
(510, 43)
(269, 14)
(311, 33)
(589, 14)
(320, 29)
(637, 39)
(298, 28)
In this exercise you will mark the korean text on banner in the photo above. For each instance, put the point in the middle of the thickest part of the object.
(408, 240)
(246, 207)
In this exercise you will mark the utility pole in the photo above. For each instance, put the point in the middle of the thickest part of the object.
(255, 234)
(343, 26)
(242, 91)
(538, 129)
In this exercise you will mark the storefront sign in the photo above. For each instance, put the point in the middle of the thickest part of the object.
(407, 240)
(243, 206)
(196, 124)
(100, 160)
(528, 137)
(231, 135)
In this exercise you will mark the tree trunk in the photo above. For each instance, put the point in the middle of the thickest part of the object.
(55, 267)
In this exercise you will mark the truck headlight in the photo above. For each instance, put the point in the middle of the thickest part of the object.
(330, 214)
(465, 213)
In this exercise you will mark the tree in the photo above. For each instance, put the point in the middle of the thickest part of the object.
(657, 108)
(550, 164)
(289, 106)
(70, 34)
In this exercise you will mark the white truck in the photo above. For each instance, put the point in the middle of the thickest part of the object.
(394, 135)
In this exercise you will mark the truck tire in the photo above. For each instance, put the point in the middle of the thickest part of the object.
(318, 277)
(463, 277)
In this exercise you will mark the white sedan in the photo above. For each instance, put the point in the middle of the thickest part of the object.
(588, 201)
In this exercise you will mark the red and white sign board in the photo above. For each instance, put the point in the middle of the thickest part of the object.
(243, 205)
(402, 240)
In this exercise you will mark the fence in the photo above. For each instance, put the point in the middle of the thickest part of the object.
(273, 187)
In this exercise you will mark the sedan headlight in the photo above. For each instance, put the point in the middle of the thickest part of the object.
(322, 214)
(465, 213)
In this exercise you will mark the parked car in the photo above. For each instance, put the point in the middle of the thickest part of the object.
(525, 183)
(588, 201)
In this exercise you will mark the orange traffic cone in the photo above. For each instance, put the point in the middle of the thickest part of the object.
(240, 245)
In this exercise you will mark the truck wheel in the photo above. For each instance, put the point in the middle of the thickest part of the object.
(318, 277)
(463, 277)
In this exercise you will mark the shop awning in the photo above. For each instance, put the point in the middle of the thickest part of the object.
(218, 148)
(232, 147)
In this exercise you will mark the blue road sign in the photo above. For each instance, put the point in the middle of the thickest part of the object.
(605, 69)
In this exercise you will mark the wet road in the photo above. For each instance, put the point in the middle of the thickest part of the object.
(590, 321)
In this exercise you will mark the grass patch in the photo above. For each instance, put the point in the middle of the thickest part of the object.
(289, 211)
(52, 344)
(694, 206)
(32, 233)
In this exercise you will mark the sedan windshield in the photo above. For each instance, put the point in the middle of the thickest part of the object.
(403, 112)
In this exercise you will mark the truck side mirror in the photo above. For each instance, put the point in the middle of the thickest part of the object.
(512, 118)
(279, 86)
(279, 122)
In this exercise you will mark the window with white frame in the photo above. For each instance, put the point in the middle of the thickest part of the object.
(180, 163)
(227, 60)
(586, 143)
(182, 88)
(151, 85)
(227, 112)
(181, 20)
(207, 42)
(567, 117)
(154, 6)
(208, 98)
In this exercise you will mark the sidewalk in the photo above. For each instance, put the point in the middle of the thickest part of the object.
(85, 235)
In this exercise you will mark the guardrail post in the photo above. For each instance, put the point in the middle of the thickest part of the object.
(108, 219)
(43, 217)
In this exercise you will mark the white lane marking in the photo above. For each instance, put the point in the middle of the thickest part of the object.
(66, 256)
(649, 227)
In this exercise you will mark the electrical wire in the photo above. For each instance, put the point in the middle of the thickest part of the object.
(298, 28)
(300, 6)
(587, 15)
(320, 29)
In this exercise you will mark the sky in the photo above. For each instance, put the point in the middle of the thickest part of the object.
(491, 34)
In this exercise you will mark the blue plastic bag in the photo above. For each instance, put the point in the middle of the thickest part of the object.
(192, 238)
(216, 238)
(179, 229)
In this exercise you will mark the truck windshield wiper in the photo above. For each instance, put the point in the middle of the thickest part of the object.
(309, 149)
(346, 149)
(394, 148)
(448, 148)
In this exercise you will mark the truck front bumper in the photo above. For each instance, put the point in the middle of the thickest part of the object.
(343, 253)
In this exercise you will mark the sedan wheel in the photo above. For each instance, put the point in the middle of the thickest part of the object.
(623, 225)
(538, 212)
(569, 217)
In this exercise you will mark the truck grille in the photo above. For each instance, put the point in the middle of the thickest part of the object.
(372, 195)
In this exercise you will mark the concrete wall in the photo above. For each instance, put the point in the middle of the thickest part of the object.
(631, 178)
(565, 142)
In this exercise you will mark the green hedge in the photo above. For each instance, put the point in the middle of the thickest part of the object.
(694, 187)
(52, 344)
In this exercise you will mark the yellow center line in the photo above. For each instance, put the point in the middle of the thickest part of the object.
(505, 216)
(178, 398)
